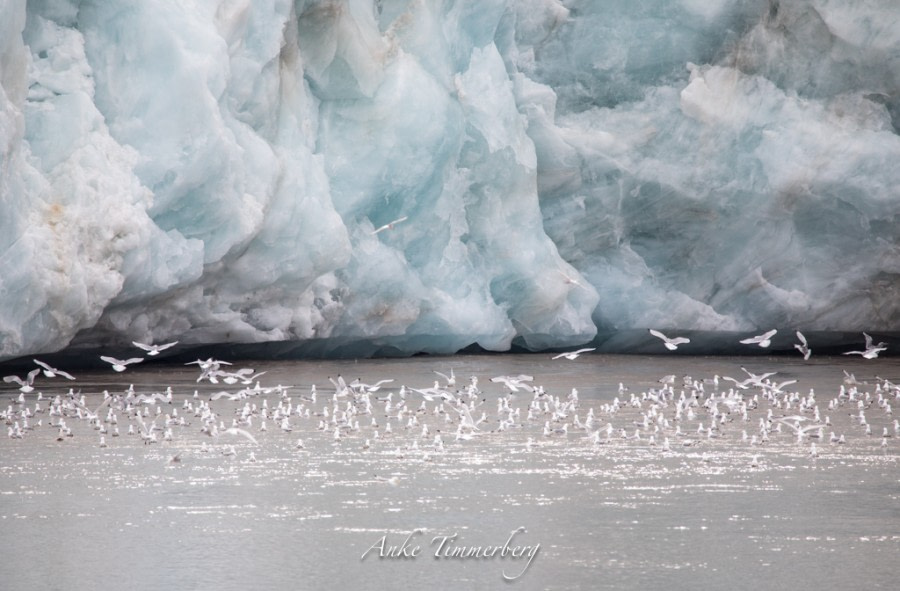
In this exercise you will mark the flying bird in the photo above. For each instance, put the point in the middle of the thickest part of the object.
(572, 355)
(514, 383)
(763, 340)
(215, 432)
(120, 364)
(153, 349)
(872, 350)
(451, 379)
(803, 346)
(52, 372)
(671, 344)
(25, 386)
(390, 225)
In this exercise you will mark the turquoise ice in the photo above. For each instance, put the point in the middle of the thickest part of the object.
(214, 171)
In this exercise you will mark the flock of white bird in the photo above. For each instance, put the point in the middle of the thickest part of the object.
(763, 340)
(235, 409)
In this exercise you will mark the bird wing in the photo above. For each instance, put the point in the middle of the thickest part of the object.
(390, 225)
(868, 341)
(106, 400)
(760, 377)
(739, 384)
(64, 374)
(793, 425)
(95, 412)
(658, 335)
(53, 370)
(143, 346)
(466, 416)
(802, 338)
(238, 431)
(144, 428)
(44, 365)
(760, 338)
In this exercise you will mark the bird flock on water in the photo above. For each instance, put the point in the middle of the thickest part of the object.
(235, 411)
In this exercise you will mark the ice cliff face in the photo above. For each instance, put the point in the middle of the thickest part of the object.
(216, 170)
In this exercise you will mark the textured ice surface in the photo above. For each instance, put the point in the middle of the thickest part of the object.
(214, 171)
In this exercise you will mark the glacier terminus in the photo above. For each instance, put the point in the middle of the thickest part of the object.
(425, 176)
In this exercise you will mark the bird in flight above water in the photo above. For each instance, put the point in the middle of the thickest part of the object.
(671, 344)
(51, 372)
(120, 364)
(572, 355)
(153, 349)
(803, 346)
(451, 379)
(872, 350)
(763, 340)
(514, 383)
(25, 386)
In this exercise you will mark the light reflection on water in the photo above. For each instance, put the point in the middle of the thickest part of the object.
(623, 514)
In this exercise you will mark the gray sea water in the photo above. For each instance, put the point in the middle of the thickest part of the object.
(708, 513)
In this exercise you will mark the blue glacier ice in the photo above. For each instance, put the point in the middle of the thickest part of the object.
(214, 172)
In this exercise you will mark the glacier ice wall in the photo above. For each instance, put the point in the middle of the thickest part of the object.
(217, 171)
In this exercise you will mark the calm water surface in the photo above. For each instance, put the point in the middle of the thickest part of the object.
(718, 513)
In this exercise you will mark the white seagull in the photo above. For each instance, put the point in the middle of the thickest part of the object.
(451, 379)
(803, 346)
(872, 350)
(763, 340)
(572, 355)
(214, 432)
(51, 372)
(671, 344)
(153, 349)
(120, 364)
(25, 386)
(514, 383)
(390, 225)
